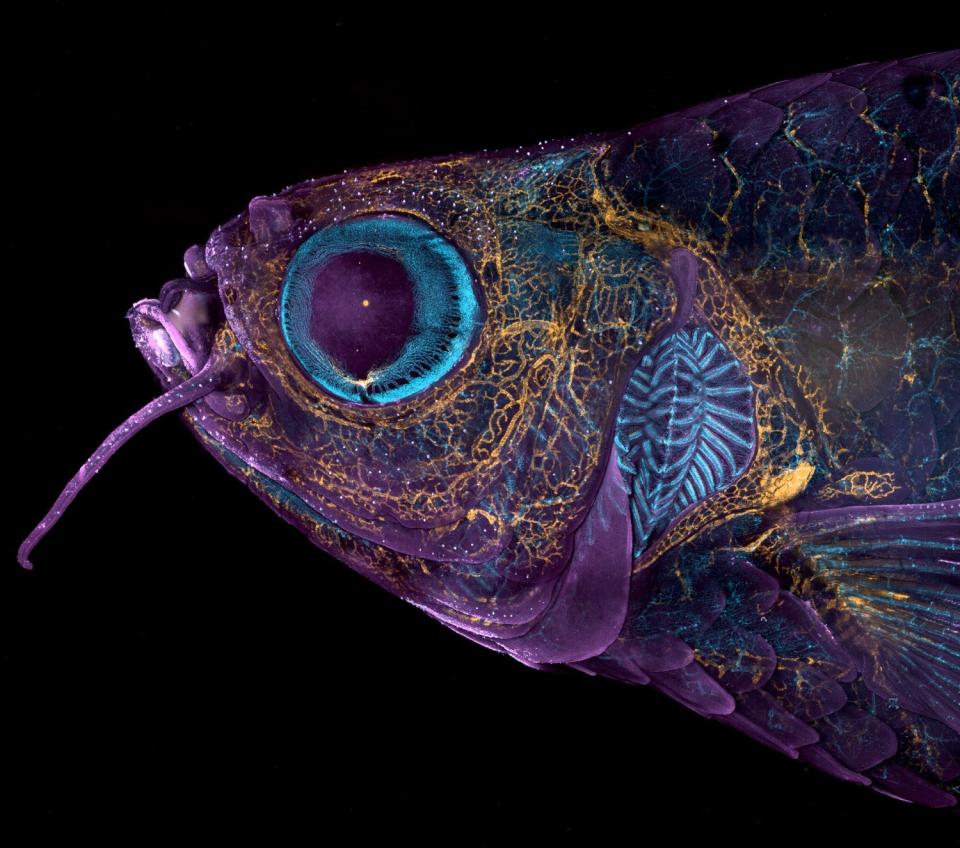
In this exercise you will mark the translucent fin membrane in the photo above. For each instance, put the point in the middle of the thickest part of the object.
(206, 381)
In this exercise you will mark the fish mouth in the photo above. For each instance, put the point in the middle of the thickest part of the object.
(174, 332)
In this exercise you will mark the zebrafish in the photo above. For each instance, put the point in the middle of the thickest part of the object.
(675, 405)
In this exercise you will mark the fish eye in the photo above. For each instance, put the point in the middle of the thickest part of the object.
(378, 307)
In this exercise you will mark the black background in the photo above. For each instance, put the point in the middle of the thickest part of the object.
(183, 662)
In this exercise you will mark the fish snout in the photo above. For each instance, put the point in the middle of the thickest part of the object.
(176, 334)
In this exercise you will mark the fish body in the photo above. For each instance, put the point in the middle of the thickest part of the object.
(676, 405)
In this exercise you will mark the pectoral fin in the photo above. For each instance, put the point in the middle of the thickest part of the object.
(850, 661)
(886, 581)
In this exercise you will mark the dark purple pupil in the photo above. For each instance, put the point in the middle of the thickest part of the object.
(362, 310)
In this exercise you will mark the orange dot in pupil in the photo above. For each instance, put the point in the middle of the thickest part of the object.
(366, 302)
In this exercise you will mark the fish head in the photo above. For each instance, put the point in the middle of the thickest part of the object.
(420, 364)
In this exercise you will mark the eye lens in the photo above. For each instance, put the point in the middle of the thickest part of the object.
(378, 307)
(362, 310)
